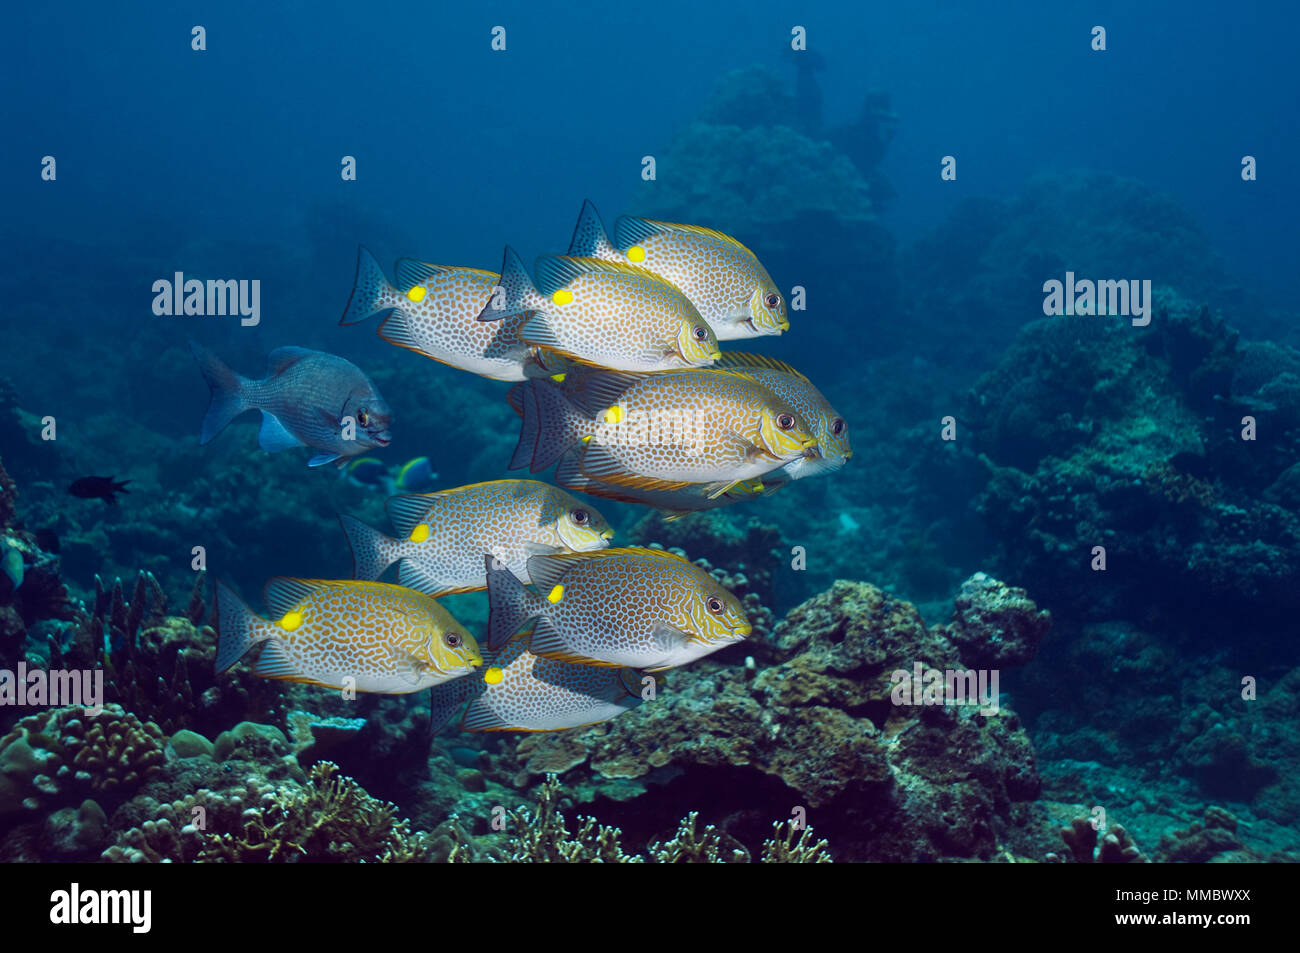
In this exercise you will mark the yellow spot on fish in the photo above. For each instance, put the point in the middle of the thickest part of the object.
(420, 533)
(291, 621)
(636, 253)
(614, 415)
(417, 293)
(587, 439)
(563, 296)
(493, 675)
(559, 378)
(556, 594)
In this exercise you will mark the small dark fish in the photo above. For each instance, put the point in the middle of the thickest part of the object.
(99, 488)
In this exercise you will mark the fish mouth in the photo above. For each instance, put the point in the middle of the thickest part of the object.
(608, 534)
(715, 355)
(382, 439)
(809, 444)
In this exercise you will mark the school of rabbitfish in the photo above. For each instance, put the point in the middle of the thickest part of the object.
(621, 386)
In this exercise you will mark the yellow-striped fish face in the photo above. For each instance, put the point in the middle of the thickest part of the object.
(784, 434)
(716, 616)
(697, 343)
(582, 529)
(767, 308)
(449, 650)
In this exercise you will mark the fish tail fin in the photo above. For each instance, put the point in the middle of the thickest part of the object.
(227, 389)
(371, 292)
(551, 426)
(510, 603)
(590, 240)
(372, 551)
(239, 628)
(515, 292)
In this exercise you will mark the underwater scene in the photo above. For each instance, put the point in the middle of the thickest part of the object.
(826, 432)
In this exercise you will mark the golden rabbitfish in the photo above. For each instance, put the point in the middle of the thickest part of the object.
(831, 430)
(603, 313)
(723, 279)
(442, 537)
(367, 636)
(661, 431)
(518, 691)
(641, 608)
(433, 310)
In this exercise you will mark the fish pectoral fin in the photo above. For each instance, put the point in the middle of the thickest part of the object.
(669, 637)
(274, 436)
(714, 490)
(533, 548)
(323, 458)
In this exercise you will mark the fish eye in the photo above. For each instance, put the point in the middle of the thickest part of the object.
(701, 332)
(363, 417)
(837, 426)
(580, 517)
(772, 300)
(453, 640)
(785, 421)
(714, 605)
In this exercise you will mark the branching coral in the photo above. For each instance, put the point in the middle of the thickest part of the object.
(787, 849)
(1087, 847)
(333, 820)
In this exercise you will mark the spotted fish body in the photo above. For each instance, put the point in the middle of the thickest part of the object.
(723, 279)
(517, 691)
(367, 636)
(832, 430)
(443, 537)
(673, 504)
(433, 310)
(604, 314)
(307, 399)
(641, 608)
(660, 431)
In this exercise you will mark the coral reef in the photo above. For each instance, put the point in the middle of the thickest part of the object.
(815, 725)
(64, 753)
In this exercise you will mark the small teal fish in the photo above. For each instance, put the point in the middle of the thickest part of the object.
(307, 399)
(12, 564)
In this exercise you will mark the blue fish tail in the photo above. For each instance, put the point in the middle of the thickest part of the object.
(516, 294)
(371, 292)
(238, 627)
(372, 551)
(227, 388)
(590, 240)
(510, 603)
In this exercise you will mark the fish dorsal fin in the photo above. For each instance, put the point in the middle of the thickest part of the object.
(596, 390)
(740, 360)
(589, 238)
(282, 358)
(283, 593)
(409, 510)
(630, 230)
(410, 272)
(553, 272)
(547, 571)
